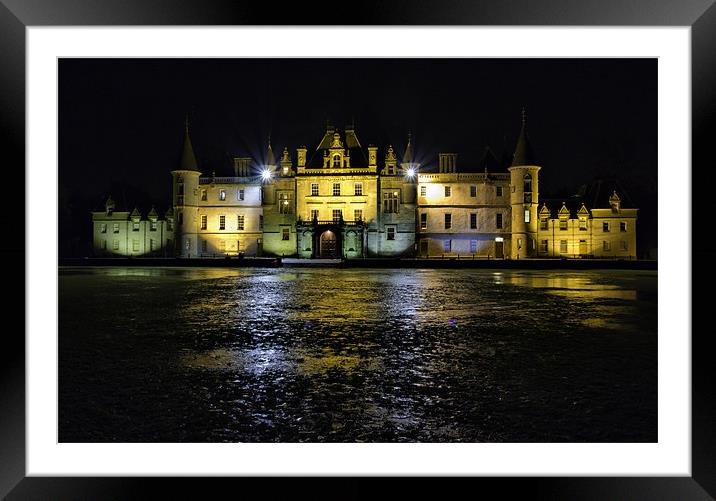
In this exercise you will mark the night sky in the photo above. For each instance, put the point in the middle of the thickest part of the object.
(121, 121)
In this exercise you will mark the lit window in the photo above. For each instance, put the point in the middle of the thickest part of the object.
(284, 203)
(203, 221)
(103, 228)
(240, 220)
(498, 191)
(135, 245)
(582, 223)
(336, 189)
(448, 191)
(446, 245)
(358, 215)
(390, 202)
(336, 215)
(336, 160)
(527, 215)
(473, 246)
(390, 233)
(543, 246)
(115, 228)
(473, 191)
(562, 246)
(622, 226)
(314, 189)
(543, 223)
(423, 191)
(222, 222)
(222, 194)
(563, 224)
(448, 221)
(605, 227)
(358, 189)
(314, 214)
(498, 221)
(203, 195)
(424, 221)
(241, 194)
(115, 244)
(473, 221)
(285, 235)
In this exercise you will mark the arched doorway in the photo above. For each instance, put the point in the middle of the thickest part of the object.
(328, 247)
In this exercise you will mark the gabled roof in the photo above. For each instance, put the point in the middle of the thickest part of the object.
(489, 161)
(349, 141)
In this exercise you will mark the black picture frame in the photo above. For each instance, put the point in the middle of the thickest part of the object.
(16, 15)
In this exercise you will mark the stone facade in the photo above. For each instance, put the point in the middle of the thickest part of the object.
(339, 202)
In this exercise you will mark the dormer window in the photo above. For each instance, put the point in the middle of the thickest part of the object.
(336, 160)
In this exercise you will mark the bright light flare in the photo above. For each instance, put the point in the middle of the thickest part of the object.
(266, 175)
(410, 172)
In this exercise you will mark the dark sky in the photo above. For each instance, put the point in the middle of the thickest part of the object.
(121, 121)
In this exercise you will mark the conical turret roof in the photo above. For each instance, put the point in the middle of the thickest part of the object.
(188, 160)
(408, 156)
(524, 155)
(270, 157)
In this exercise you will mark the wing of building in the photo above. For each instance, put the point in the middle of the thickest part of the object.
(341, 200)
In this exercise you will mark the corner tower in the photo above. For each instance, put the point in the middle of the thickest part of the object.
(185, 200)
(524, 183)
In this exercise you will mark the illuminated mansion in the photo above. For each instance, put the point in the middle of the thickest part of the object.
(341, 200)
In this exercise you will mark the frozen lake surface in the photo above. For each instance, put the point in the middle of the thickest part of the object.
(356, 355)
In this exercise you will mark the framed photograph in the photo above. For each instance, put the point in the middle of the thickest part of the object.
(424, 243)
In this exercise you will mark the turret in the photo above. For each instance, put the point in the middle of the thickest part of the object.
(185, 198)
(524, 196)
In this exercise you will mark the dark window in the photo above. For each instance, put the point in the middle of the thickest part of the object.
(498, 221)
(448, 191)
(390, 201)
(473, 191)
(285, 235)
(622, 226)
(473, 221)
(448, 221)
(424, 221)
(390, 235)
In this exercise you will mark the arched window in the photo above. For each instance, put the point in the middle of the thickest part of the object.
(336, 160)
(528, 188)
